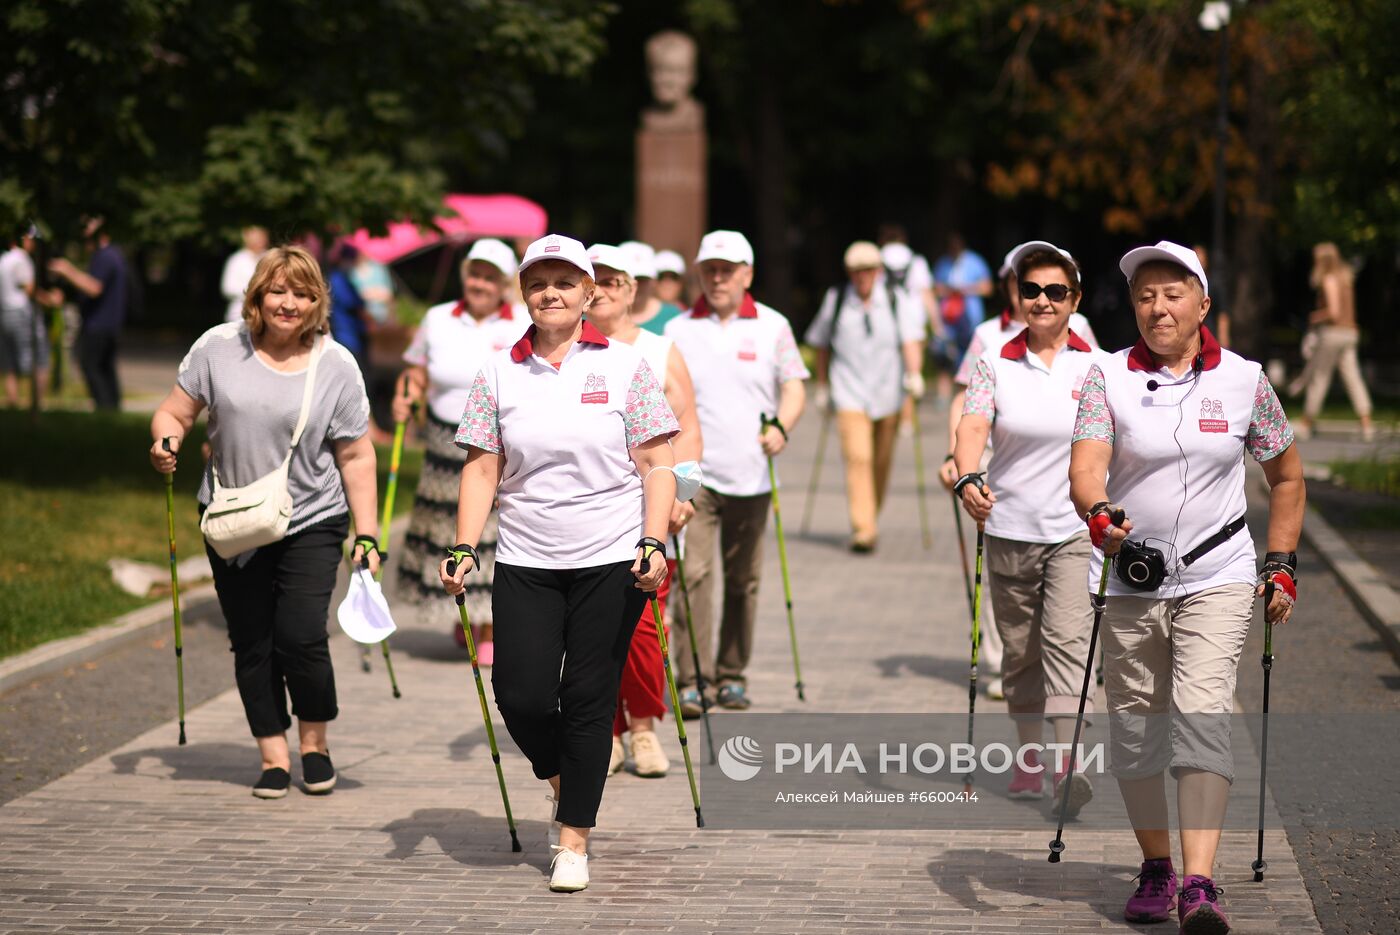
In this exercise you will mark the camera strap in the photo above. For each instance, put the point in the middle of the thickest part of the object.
(1221, 535)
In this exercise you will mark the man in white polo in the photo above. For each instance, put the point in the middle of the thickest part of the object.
(745, 366)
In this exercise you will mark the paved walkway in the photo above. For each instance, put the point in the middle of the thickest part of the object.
(159, 838)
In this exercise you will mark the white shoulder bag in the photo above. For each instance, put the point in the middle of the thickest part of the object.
(258, 514)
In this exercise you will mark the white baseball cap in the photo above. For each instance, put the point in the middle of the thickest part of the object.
(897, 256)
(641, 259)
(557, 247)
(1021, 251)
(602, 254)
(725, 245)
(496, 252)
(669, 261)
(1164, 251)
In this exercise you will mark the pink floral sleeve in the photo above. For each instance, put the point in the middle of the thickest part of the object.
(790, 365)
(1269, 432)
(981, 393)
(481, 419)
(974, 353)
(647, 415)
(1094, 420)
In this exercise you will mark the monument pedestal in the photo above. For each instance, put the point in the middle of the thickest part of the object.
(671, 189)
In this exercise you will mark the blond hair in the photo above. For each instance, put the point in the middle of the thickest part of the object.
(1327, 261)
(299, 270)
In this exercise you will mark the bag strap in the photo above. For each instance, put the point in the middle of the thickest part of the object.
(316, 353)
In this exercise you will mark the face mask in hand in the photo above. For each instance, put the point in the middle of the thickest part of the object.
(688, 478)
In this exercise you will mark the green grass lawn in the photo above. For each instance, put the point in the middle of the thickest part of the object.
(78, 489)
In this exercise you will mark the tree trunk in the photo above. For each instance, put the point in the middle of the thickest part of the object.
(1252, 247)
(773, 272)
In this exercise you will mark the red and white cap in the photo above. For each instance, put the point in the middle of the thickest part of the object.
(496, 252)
(602, 254)
(557, 247)
(641, 259)
(1164, 251)
(669, 261)
(725, 245)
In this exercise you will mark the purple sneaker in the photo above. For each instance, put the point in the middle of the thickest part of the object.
(1155, 893)
(1199, 909)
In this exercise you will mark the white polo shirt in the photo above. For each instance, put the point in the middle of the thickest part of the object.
(570, 496)
(866, 340)
(995, 332)
(738, 368)
(1178, 457)
(453, 346)
(656, 351)
(1032, 409)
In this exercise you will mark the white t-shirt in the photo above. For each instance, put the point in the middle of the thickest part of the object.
(453, 346)
(995, 332)
(1178, 457)
(866, 340)
(16, 272)
(238, 272)
(738, 368)
(656, 351)
(1032, 409)
(570, 496)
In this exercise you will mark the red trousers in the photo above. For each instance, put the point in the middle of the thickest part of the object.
(642, 692)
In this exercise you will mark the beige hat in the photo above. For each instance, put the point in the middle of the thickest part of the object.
(863, 255)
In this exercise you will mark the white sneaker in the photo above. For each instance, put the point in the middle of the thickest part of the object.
(1080, 792)
(995, 691)
(647, 755)
(554, 826)
(569, 871)
(619, 757)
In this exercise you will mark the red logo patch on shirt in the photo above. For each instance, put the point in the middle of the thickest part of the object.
(747, 351)
(1212, 413)
(595, 390)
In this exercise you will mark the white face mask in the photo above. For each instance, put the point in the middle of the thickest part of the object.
(688, 478)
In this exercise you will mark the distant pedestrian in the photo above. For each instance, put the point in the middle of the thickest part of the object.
(962, 280)
(252, 376)
(670, 279)
(104, 306)
(349, 315)
(869, 336)
(238, 270)
(24, 343)
(1337, 340)
(652, 312)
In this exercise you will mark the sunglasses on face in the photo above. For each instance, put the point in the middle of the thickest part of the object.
(612, 282)
(1055, 292)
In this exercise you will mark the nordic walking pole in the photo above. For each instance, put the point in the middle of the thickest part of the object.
(175, 590)
(764, 422)
(481, 695)
(1266, 661)
(919, 475)
(962, 552)
(694, 650)
(976, 646)
(1100, 602)
(816, 473)
(390, 490)
(671, 684)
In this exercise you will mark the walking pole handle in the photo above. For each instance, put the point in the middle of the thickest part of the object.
(452, 570)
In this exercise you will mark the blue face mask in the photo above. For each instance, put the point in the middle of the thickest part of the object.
(688, 479)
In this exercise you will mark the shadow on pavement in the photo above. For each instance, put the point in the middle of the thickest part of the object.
(468, 837)
(1032, 878)
(236, 764)
(929, 667)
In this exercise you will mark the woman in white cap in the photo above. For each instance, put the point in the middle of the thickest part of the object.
(1168, 422)
(446, 354)
(642, 694)
(869, 339)
(1024, 398)
(670, 279)
(650, 311)
(570, 430)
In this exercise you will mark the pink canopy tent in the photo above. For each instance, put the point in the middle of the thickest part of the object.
(469, 217)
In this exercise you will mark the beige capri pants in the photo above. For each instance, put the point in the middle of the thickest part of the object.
(1169, 676)
(1044, 618)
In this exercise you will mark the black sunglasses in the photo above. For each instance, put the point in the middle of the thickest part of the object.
(1055, 292)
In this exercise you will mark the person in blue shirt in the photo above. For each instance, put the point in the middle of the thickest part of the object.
(348, 325)
(961, 280)
(105, 289)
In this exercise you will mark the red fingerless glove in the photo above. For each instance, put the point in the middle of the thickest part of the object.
(1099, 525)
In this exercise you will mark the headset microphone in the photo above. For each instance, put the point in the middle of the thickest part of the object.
(1197, 366)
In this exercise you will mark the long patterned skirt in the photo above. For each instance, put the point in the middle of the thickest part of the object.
(432, 529)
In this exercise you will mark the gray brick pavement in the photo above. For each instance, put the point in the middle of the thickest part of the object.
(159, 838)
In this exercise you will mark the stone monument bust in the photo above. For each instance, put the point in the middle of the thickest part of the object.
(671, 59)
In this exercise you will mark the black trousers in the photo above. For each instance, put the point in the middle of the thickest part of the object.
(97, 356)
(276, 607)
(561, 640)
